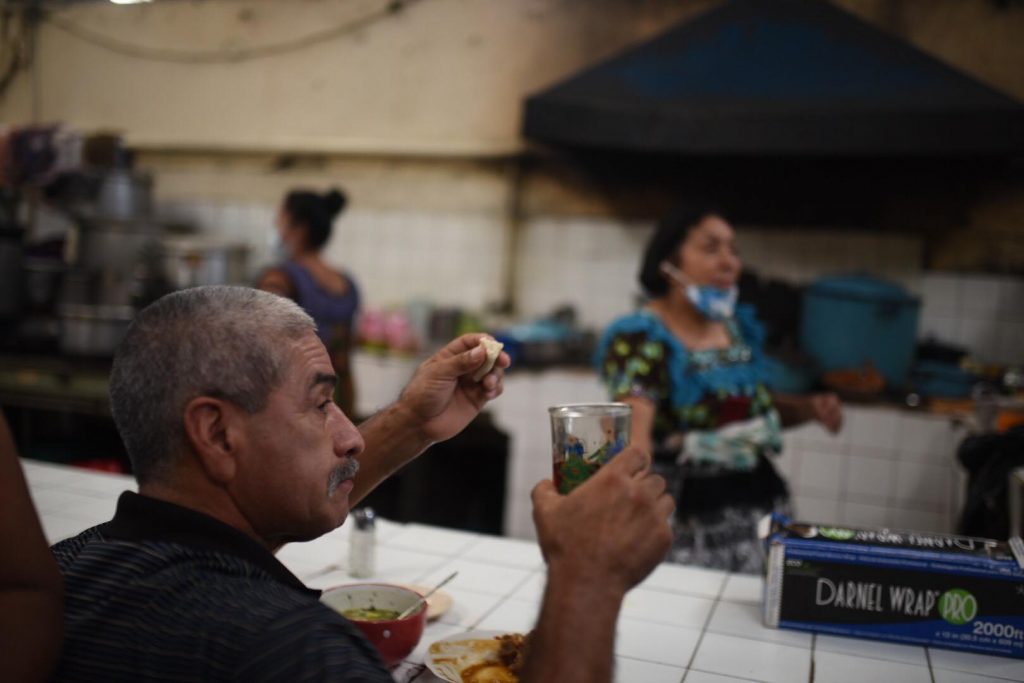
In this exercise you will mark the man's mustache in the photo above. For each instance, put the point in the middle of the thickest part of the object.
(343, 472)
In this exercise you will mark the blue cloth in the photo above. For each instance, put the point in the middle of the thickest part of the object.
(326, 309)
(687, 385)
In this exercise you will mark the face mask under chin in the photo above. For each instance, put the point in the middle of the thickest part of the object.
(714, 303)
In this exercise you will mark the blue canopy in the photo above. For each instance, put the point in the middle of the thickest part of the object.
(783, 77)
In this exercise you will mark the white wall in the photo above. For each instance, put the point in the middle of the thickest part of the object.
(983, 313)
(438, 77)
(459, 258)
(886, 467)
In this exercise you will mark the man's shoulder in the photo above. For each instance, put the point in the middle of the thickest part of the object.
(191, 572)
(65, 551)
(145, 600)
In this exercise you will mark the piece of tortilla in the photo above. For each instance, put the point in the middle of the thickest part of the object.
(493, 348)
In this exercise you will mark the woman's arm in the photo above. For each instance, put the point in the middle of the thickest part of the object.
(31, 587)
(276, 281)
(795, 410)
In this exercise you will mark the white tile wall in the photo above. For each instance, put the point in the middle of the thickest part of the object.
(927, 485)
(591, 263)
(821, 472)
(874, 428)
(897, 469)
(865, 514)
(814, 508)
(461, 258)
(456, 259)
(870, 480)
(984, 313)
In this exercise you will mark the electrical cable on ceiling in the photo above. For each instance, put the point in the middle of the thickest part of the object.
(224, 56)
(15, 42)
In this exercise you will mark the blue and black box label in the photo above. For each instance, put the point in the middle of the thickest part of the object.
(882, 597)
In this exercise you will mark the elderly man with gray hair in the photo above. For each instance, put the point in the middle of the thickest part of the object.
(223, 398)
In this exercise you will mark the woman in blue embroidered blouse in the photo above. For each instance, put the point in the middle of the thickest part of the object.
(331, 297)
(690, 365)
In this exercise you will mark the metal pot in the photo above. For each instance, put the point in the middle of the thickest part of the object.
(194, 261)
(93, 329)
(125, 194)
(117, 248)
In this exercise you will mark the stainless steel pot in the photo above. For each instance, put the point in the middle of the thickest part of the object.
(110, 248)
(93, 329)
(194, 261)
(125, 194)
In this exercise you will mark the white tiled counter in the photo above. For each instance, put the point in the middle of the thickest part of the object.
(682, 625)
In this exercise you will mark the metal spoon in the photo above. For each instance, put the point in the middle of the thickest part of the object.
(412, 608)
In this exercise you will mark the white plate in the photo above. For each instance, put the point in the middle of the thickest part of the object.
(451, 671)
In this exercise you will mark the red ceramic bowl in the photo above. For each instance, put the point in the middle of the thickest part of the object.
(393, 638)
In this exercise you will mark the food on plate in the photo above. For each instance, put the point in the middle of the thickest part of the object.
(487, 672)
(370, 614)
(512, 650)
(493, 348)
(497, 659)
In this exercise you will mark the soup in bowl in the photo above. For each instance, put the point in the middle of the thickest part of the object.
(374, 609)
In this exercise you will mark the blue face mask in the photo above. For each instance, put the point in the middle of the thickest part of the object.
(714, 303)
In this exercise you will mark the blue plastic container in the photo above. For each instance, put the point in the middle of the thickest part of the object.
(851, 321)
(947, 380)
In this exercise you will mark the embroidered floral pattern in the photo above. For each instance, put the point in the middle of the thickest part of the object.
(718, 401)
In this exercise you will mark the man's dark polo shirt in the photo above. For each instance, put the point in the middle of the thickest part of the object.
(163, 593)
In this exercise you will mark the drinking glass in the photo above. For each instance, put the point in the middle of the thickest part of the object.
(584, 436)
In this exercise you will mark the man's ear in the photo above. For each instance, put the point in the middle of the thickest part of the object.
(213, 431)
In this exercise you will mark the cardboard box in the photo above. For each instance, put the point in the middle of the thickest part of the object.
(908, 587)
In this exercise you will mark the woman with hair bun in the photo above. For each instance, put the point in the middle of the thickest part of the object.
(330, 296)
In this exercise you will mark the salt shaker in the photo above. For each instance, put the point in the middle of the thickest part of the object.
(362, 552)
